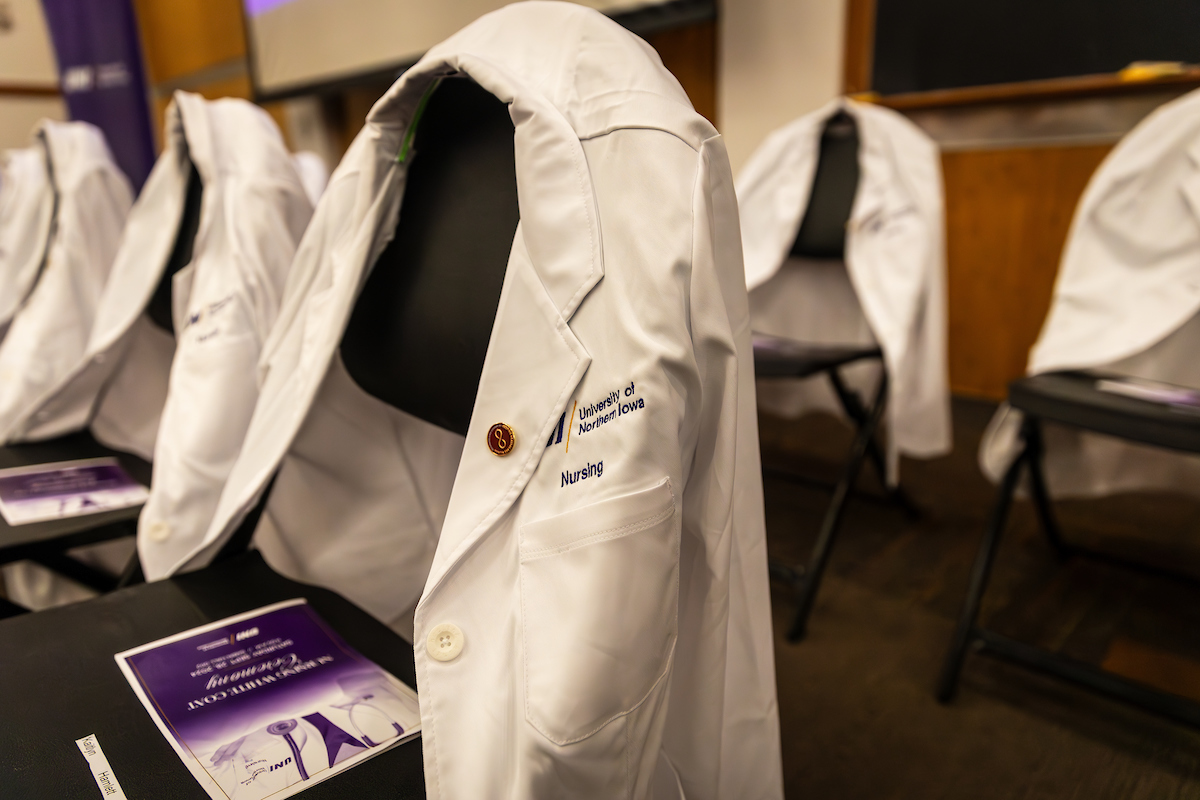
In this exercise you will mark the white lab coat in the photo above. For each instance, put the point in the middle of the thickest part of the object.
(313, 173)
(1125, 300)
(892, 288)
(26, 213)
(50, 332)
(201, 382)
(615, 629)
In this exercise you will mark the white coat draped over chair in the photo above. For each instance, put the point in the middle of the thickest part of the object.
(313, 173)
(614, 631)
(891, 289)
(26, 213)
(1125, 301)
(183, 400)
(49, 333)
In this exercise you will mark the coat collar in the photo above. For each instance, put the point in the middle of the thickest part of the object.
(147, 240)
(74, 151)
(788, 184)
(554, 187)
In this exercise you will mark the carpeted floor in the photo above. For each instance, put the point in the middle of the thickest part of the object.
(856, 696)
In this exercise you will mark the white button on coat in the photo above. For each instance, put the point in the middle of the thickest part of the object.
(893, 287)
(445, 642)
(1126, 300)
(617, 620)
(158, 531)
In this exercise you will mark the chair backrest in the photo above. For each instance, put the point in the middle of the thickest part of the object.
(160, 307)
(835, 182)
(419, 331)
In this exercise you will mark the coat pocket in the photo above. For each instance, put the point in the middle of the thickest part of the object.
(599, 603)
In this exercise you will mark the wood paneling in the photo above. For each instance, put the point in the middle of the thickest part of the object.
(180, 37)
(859, 46)
(28, 90)
(690, 52)
(1007, 215)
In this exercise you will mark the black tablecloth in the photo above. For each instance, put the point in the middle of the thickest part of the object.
(59, 682)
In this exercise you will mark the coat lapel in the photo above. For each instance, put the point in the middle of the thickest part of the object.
(534, 361)
(148, 239)
(533, 365)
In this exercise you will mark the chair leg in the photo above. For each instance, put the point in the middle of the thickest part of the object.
(964, 633)
(833, 515)
(852, 405)
(1032, 432)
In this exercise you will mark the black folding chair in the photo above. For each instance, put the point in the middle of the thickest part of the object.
(47, 543)
(1068, 398)
(822, 235)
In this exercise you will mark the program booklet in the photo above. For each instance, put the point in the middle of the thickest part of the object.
(268, 703)
(1182, 397)
(66, 489)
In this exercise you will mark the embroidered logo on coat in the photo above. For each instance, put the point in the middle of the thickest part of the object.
(613, 405)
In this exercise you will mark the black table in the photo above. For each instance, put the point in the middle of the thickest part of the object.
(59, 682)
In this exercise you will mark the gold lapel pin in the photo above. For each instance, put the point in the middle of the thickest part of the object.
(501, 439)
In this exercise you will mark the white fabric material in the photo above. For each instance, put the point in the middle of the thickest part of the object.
(893, 287)
(202, 382)
(66, 264)
(313, 173)
(255, 209)
(605, 621)
(1125, 300)
(26, 213)
(49, 334)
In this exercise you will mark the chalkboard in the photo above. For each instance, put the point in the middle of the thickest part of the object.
(921, 45)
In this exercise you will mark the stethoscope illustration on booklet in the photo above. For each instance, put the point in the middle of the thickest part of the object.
(372, 709)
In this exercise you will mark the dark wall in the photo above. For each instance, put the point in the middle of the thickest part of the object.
(941, 44)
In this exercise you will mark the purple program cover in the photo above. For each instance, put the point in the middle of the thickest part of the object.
(66, 489)
(267, 703)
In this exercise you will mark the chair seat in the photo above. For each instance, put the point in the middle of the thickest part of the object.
(25, 541)
(1072, 398)
(779, 357)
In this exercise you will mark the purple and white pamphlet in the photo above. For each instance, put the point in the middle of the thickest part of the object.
(1154, 391)
(66, 489)
(270, 702)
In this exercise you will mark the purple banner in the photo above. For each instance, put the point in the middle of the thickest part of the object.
(100, 72)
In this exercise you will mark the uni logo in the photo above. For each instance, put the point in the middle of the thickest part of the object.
(78, 79)
(281, 764)
(246, 634)
(556, 435)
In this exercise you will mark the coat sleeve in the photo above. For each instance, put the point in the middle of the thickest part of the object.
(723, 509)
